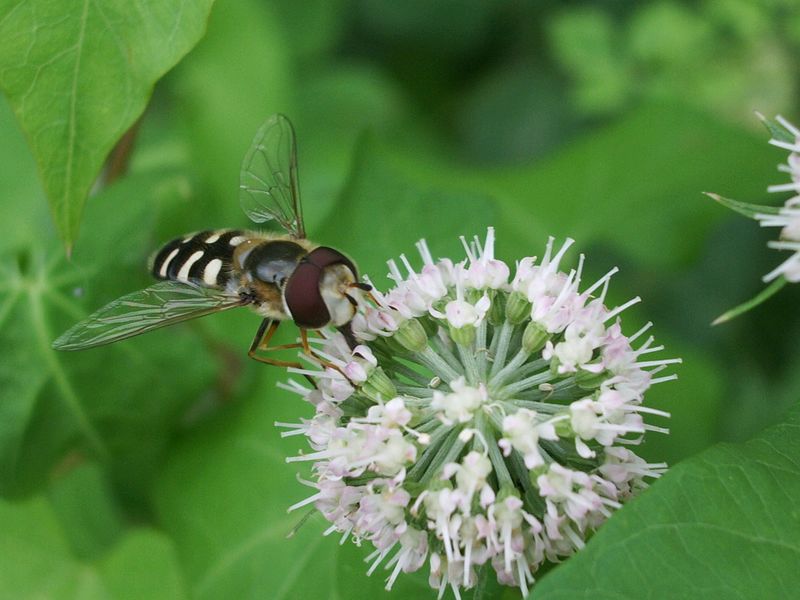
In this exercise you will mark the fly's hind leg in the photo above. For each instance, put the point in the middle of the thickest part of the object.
(264, 334)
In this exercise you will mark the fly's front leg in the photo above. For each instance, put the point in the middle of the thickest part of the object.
(264, 334)
(320, 360)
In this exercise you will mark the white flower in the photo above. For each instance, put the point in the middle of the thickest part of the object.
(460, 405)
(460, 313)
(522, 431)
(484, 270)
(425, 430)
(788, 218)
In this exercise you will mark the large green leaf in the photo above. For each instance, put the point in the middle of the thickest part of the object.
(118, 403)
(633, 185)
(22, 200)
(383, 211)
(39, 563)
(79, 74)
(235, 78)
(724, 524)
(223, 498)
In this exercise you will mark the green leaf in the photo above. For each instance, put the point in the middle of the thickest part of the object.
(117, 404)
(744, 208)
(22, 200)
(694, 402)
(143, 565)
(724, 524)
(639, 174)
(38, 563)
(79, 74)
(772, 289)
(379, 197)
(311, 27)
(84, 504)
(586, 41)
(223, 498)
(235, 78)
(336, 104)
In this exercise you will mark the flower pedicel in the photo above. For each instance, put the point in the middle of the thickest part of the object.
(480, 421)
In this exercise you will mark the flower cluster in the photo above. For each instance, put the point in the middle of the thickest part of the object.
(788, 218)
(483, 419)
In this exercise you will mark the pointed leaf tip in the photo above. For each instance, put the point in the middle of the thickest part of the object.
(762, 296)
(751, 211)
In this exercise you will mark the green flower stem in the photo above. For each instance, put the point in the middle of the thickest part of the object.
(410, 390)
(498, 463)
(438, 365)
(543, 407)
(441, 437)
(535, 366)
(481, 351)
(565, 389)
(507, 371)
(536, 505)
(409, 373)
(470, 364)
(428, 424)
(552, 452)
(762, 296)
(520, 386)
(448, 452)
(503, 338)
(446, 353)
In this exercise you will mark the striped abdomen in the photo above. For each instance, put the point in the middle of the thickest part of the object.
(203, 258)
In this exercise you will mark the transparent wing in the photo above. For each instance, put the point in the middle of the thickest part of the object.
(268, 186)
(157, 306)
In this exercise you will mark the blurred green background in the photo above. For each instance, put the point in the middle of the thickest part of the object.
(152, 468)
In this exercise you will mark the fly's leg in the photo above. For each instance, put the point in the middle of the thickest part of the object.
(320, 360)
(264, 334)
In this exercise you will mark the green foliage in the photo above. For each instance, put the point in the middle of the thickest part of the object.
(727, 56)
(223, 498)
(152, 468)
(78, 76)
(724, 522)
(139, 564)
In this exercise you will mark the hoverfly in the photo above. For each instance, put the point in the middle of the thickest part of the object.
(280, 276)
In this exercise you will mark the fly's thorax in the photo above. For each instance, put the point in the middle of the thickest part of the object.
(264, 263)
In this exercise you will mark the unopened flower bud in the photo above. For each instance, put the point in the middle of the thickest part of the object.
(564, 428)
(589, 380)
(430, 326)
(412, 336)
(497, 311)
(534, 337)
(517, 308)
(463, 336)
(378, 386)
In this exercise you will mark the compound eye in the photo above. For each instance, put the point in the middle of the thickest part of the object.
(303, 297)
